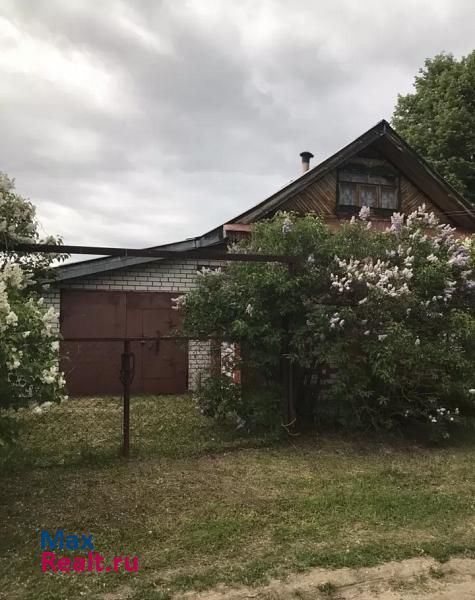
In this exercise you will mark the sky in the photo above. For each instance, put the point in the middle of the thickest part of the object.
(147, 122)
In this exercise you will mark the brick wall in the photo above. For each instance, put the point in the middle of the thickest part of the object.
(162, 276)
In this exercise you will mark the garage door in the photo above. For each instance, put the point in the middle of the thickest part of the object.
(93, 367)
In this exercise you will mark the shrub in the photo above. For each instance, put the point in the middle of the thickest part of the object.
(29, 347)
(222, 399)
(392, 312)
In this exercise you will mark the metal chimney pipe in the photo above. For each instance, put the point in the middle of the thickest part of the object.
(306, 156)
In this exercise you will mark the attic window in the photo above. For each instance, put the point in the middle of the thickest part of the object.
(367, 182)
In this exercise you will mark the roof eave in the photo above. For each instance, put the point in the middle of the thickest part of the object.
(93, 266)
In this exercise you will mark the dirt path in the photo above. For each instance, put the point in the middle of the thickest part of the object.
(420, 578)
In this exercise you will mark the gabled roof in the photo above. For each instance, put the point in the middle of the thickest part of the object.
(382, 137)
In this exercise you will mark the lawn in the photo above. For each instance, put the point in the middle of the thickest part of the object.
(201, 505)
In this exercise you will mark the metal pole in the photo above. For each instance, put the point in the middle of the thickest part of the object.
(147, 253)
(289, 413)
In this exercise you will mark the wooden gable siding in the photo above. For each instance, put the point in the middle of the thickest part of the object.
(412, 198)
(320, 198)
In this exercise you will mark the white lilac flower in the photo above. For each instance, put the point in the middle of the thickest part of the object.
(6, 184)
(311, 259)
(449, 289)
(11, 319)
(286, 226)
(379, 275)
(397, 221)
(13, 274)
(37, 410)
(471, 391)
(13, 364)
(49, 315)
(365, 213)
(382, 337)
(422, 218)
(178, 302)
(417, 342)
(367, 332)
(249, 309)
(445, 236)
(432, 258)
(459, 258)
(48, 377)
(209, 271)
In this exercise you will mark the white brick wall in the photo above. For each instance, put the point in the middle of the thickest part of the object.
(53, 298)
(199, 357)
(160, 276)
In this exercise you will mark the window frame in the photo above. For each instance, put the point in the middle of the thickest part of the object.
(378, 209)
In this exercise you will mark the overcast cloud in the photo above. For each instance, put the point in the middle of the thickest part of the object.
(145, 122)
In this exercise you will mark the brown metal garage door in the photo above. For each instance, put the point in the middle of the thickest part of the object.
(93, 367)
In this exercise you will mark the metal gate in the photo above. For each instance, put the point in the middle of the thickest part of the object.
(91, 367)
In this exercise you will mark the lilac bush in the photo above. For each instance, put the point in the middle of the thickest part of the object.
(389, 314)
(29, 347)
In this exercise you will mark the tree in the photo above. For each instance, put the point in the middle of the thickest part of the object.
(29, 347)
(438, 118)
(391, 311)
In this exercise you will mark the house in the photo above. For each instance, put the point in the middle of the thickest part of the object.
(117, 297)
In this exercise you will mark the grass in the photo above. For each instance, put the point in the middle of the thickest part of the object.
(84, 431)
(202, 506)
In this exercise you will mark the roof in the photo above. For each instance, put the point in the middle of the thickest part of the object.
(84, 268)
(382, 136)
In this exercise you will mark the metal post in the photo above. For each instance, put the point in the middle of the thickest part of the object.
(289, 413)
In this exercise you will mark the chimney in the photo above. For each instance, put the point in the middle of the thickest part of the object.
(306, 156)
